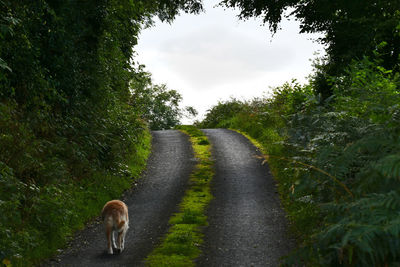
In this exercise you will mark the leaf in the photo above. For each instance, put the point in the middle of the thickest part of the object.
(389, 166)
(7, 263)
(4, 65)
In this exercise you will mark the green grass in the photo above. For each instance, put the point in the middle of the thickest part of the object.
(182, 243)
(252, 140)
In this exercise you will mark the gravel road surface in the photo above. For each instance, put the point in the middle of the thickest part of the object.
(150, 206)
(247, 226)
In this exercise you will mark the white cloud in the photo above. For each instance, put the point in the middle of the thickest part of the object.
(213, 56)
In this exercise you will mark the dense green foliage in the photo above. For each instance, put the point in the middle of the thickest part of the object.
(181, 246)
(351, 29)
(70, 135)
(337, 162)
(333, 145)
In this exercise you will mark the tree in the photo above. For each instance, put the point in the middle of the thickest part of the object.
(156, 104)
(352, 29)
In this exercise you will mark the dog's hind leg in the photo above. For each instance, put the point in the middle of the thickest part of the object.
(110, 236)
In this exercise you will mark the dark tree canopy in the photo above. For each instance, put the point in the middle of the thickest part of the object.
(352, 29)
(167, 10)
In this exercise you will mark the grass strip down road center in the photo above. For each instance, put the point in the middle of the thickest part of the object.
(181, 245)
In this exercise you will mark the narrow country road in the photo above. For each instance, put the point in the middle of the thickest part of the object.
(150, 206)
(247, 226)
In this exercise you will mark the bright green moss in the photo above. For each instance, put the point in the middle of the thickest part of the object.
(181, 245)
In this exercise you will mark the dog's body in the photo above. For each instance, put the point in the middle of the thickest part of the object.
(116, 219)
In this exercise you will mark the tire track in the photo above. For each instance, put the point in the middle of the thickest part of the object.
(247, 226)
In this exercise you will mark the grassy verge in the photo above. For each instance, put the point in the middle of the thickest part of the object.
(181, 245)
(252, 140)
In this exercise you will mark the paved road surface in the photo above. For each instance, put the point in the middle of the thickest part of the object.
(247, 226)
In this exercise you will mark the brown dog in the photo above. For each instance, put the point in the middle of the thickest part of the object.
(116, 219)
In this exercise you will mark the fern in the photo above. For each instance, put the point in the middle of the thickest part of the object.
(389, 166)
(368, 231)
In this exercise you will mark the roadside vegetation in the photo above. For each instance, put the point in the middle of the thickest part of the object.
(73, 131)
(182, 243)
(337, 162)
(333, 144)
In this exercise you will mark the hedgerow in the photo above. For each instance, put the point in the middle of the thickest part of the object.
(71, 134)
(337, 162)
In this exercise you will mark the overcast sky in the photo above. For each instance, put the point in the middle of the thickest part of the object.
(214, 56)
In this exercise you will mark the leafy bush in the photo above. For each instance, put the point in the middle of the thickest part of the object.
(43, 198)
(219, 115)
